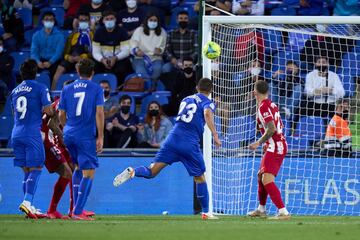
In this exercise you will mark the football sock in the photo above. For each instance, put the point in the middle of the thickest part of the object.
(31, 185)
(59, 190)
(76, 179)
(262, 193)
(26, 175)
(274, 194)
(71, 207)
(84, 190)
(203, 196)
(144, 172)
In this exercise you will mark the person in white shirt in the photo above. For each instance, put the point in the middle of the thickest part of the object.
(322, 89)
(248, 7)
(147, 45)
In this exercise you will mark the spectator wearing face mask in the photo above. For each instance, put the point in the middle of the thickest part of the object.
(147, 46)
(110, 103)
(6, 67)
(131, 17)
(47, 45)
(78, 46)
(121, 128)
(95, 9)
(111, 48)
(248, 7)
(286, 89)
(156, 127)
(338, 135)
(181, 43)
(71, 10)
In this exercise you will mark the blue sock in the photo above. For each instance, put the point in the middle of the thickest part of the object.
(203, 196)
(26, 175)
(76, 179)
(144, 172)
(31, 185)
(84, 190)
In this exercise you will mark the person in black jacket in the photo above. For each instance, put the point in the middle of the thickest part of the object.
(6, 66)
(13, 27)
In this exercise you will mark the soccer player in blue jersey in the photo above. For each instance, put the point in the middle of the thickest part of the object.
(29, 101)
(183, 144)
(81, 112)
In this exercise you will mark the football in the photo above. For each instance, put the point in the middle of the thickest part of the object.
(212, 50)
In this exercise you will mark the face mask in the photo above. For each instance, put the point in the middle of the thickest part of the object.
(188, 70)
(1, 49)
(152, 25)
(125, 109)
(131, 3)
(183, 24)
(345, 114)
(255, 71)
(109, 24)
(97, 2)
(48, 24)
(323, 68)
(106, 93)
(154, 113)
(83, 25)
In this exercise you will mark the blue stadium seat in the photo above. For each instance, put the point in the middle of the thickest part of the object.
(133, 103)
(7, 111)
(26, 16)
(241, 129)
(351, 63)
(44, 79)
(153, 97)
(6, 121)
(64, 78)
(19, 58)
(348, 82)
(28, 36)
(280, 59)
(272, 40)
(283, 10)
(160, 86)
(59, 14)
(57, 3)
(311, 128)
(295, 143)
(106, 76)
(297, 41)
(66, 34)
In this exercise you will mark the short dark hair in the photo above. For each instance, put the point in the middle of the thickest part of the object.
(125, 97)
(108, 13)
(83, 13)
(261, 86)
(105, 81)
(320, 57)
(183, 12)
(85, 67)
(205, 85)
(292, 62)
(342, 101)
(48, 13)
(188, 58)
(28, 69)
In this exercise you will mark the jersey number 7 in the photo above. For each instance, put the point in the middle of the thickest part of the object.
(81, 96)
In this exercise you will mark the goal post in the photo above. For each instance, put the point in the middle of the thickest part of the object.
(310, 182)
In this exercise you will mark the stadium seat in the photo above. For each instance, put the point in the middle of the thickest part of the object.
(348, 83)
(133, 103)
(147, 80)
(57, 3)
(153, 97)
(59, 14)
(6, 121)
(106, 76)
(296, 143)
(297, 41)
(310, 128)
(273, 40)
(351, 64)
(280, 59)
(7, 111)
(44, 79)
(160, 86)
(19, 58)
(283, 10)
(28, 36)
(66, 34)
(26, 16)
(64, 78)
(240, 131)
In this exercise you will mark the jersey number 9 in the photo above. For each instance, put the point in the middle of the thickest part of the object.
(21, 106)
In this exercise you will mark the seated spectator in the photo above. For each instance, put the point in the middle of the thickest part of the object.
(13, 25)
(307, 7)
(147, 45)
(71, 10)
(121, 129)
(338, 135)
(47, 45)
(111, 49)
(95, 9)
(6, 66)
(347, 8)
(222, 4)
(183, 84)
(181, 43)
(23, 4)
(286, 88)
(78, 46)
(248, 7)
(131, 17)
(322, 88)
(110, 103)
(155, 129)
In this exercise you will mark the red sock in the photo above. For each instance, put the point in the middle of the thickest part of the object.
(59, 189)
(262, 193)
(71, 196)
(275, 195)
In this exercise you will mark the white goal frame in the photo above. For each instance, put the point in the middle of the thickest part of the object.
(206, 63)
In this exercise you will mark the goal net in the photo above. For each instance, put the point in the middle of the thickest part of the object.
(309, 68)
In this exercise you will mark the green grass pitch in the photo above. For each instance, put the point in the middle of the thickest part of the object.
(180, 227)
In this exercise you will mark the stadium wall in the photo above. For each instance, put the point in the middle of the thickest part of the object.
(171, 190)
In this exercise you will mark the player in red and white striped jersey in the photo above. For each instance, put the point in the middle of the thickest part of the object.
(270, 125)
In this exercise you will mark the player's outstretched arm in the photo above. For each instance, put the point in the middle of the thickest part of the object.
(100, 128)
(48, 110)
(209, 118)
(270, 130)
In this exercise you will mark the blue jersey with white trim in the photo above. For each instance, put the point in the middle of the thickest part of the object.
(27, 101)
(190, 120)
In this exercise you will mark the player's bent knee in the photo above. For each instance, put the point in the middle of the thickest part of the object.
(89, 173)
(200, 179)
(267, 178)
